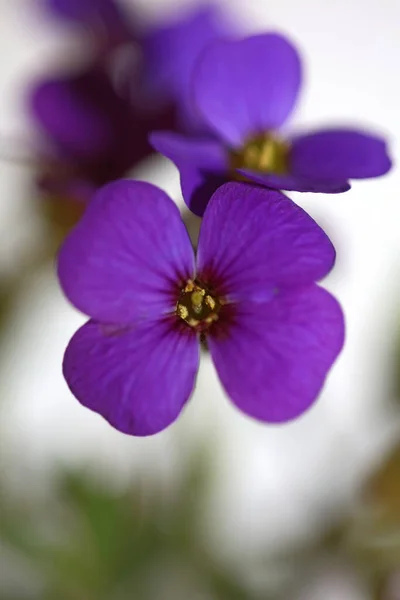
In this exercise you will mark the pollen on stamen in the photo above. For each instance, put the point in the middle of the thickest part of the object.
(182, 311)
(264, 153)
(197, 306)
(209, 300)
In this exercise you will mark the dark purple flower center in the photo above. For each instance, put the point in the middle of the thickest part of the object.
(264, 153)
(198, 306)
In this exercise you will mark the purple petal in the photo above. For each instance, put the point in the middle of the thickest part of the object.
(296, 183)
(202, 165)
(171, 51)
(84, 11)
(206, 154)
(198, 187)
(339, 154)
(275, 357)
(138, 379)
(247, 87)
(89, 124)
(75, 125)
(253, 240)
(128, 256)
(103, 15)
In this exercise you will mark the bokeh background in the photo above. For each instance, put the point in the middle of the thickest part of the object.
(217, 506)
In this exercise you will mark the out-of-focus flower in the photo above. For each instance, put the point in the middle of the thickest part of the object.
(104, 20)
(164, 54)
(272, 332)
(170, 53)
(94, 134)
(244, 91)
(96, 128)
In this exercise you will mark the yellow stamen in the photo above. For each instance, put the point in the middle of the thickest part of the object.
(263, 153)
(197, 306)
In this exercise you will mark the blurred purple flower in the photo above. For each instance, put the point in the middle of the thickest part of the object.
(94, 134)
(167, 52)
(104, 19)
(97, 127)
(244, 91)
(170, 53)
(272, 332)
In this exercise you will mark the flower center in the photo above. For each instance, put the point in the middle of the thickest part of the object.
(264, 153)
(197, 306)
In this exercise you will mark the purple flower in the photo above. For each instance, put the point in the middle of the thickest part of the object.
(97, 130)
(170, 53)
(244, 91)
(102, 18)
(93, 133)
(251, 294)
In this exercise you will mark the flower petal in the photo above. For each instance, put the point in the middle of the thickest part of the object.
(101, 17)
(89, 124)
(207, 154)
(339, 154)
(127, 256)
(83, 11)
(198, 187)
(275, 356)
(72, 122)
(202, 164)
(138, 379)
(295, 183)
(247, 87)
(171, 51)
(253, 240)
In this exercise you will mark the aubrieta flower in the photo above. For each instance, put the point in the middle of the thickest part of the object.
(251, 294)
(104, 20)
(93, 133)
(170, 52)
(244, 91)
(95, 129)
(164, 55)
